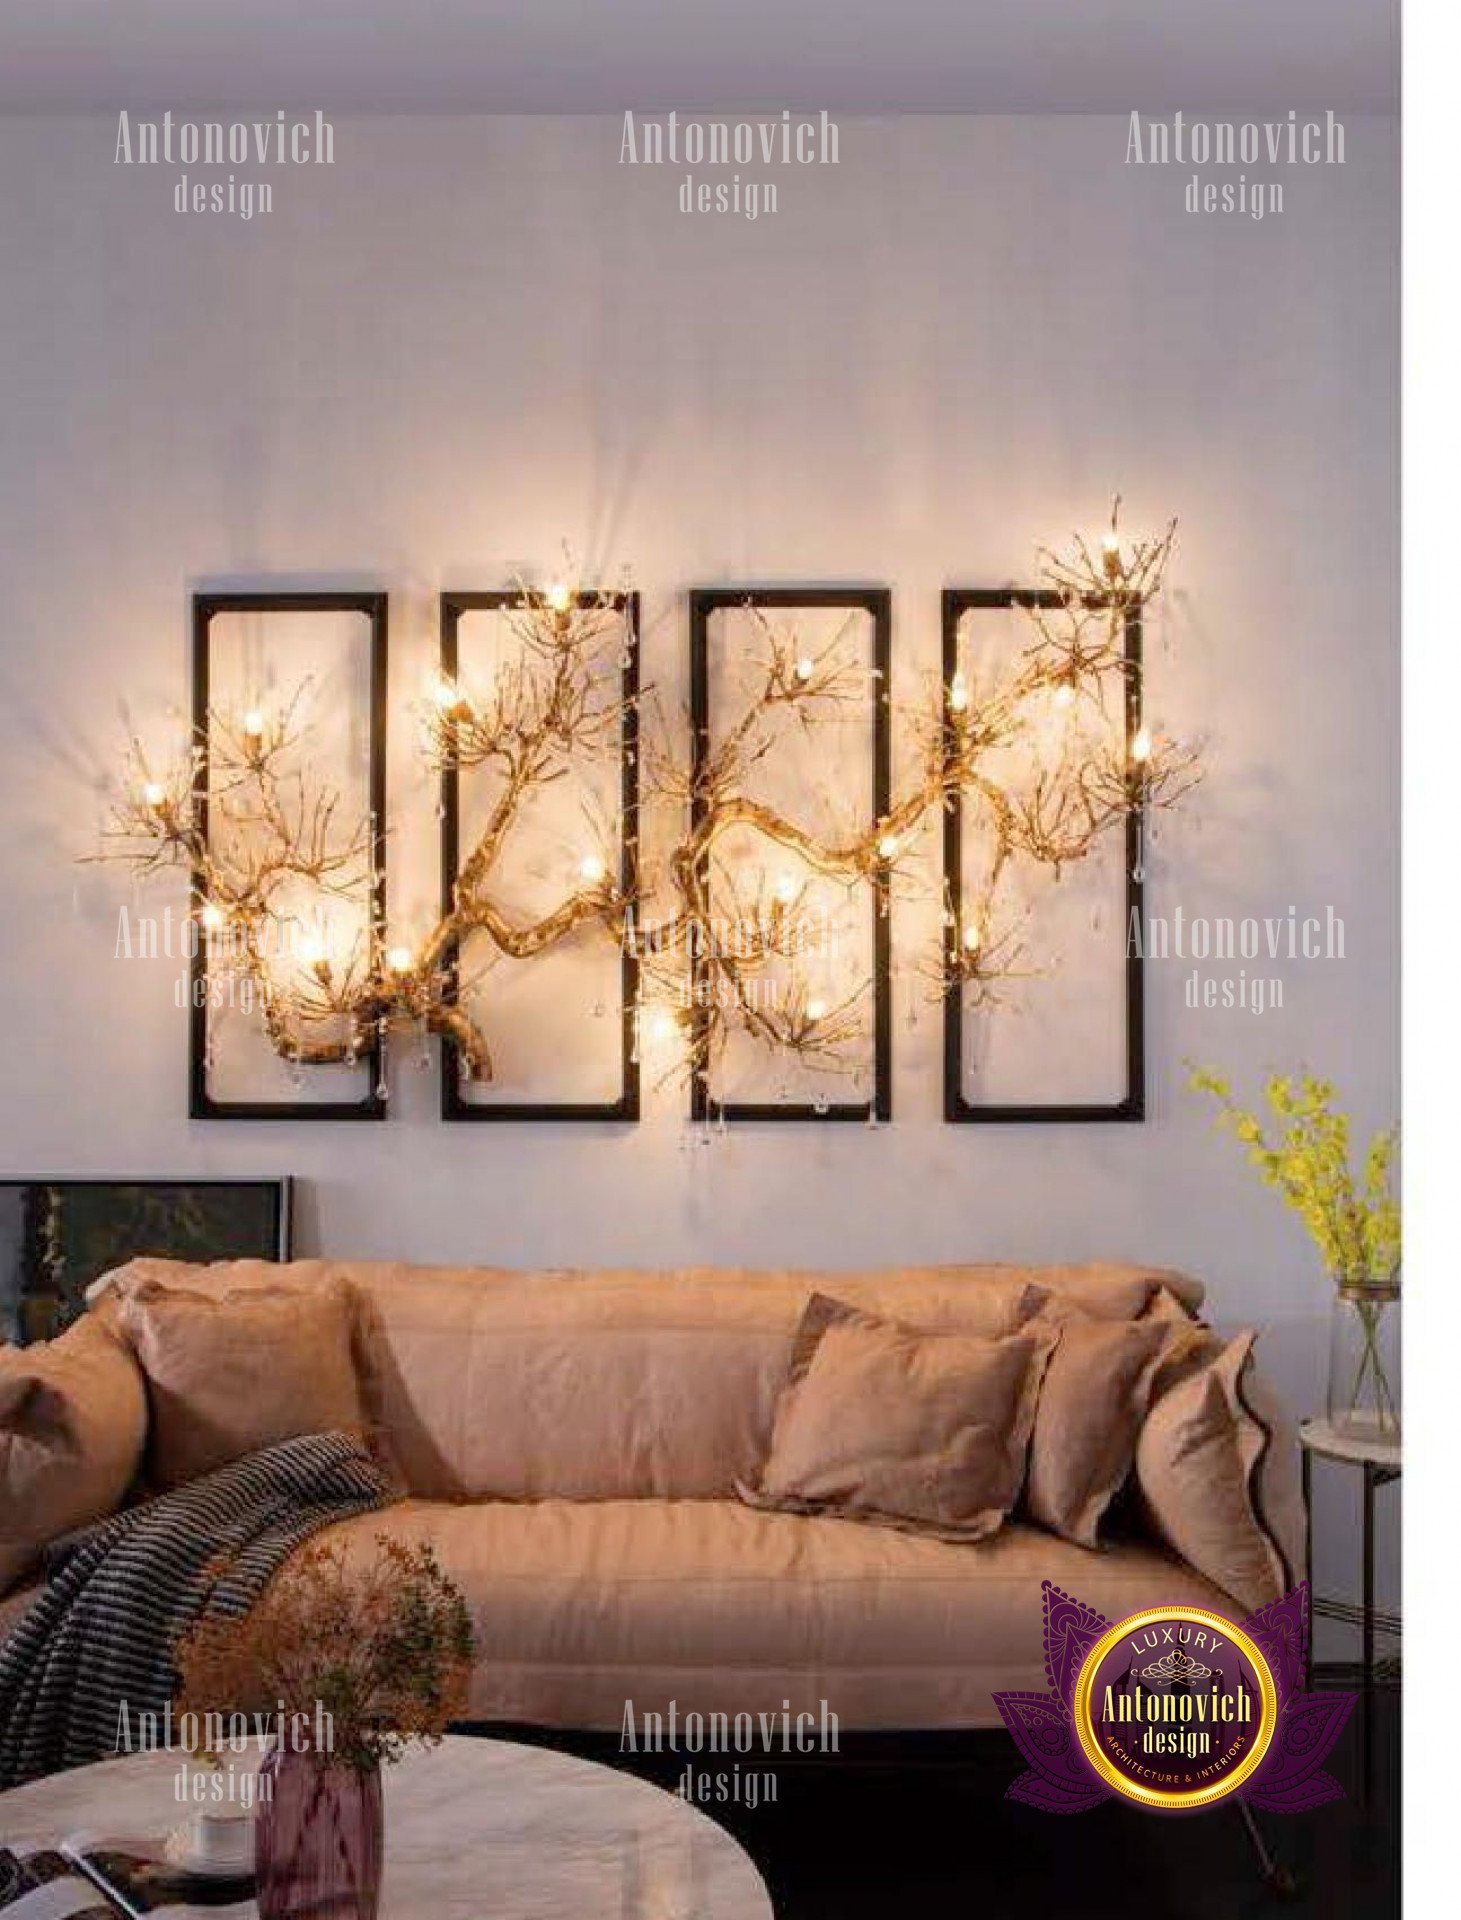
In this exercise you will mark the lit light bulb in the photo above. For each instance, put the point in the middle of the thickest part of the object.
(805, 668)
(971, 939)
(592, 869)
(212, 916)
(958, 694)
(1111, 554)
(1141, 745)
(398, 959)
(1064, 694)
(888, 846)
(816, 1010)
(661, 1025)
(786, 888)
(154, 793)
(558, 596)
(444, 693)
(253, 723)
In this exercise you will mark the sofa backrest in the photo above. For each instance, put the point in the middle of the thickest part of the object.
(493, 1383)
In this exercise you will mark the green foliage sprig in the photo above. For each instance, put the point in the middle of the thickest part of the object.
(1303, 1152)
(382, 1645)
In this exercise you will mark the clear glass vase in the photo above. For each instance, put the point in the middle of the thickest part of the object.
(318, 1839)
(1364, 1361)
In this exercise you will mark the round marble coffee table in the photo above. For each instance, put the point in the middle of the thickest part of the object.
(473, 1827)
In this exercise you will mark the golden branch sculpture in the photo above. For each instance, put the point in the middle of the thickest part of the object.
(274, 835)
(1053, 814)
(969, 742)
(734, 935)
(275, 840)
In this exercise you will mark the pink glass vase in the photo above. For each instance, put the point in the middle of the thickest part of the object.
(318, 1839)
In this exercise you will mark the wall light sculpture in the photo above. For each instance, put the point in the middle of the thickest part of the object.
(756, 958)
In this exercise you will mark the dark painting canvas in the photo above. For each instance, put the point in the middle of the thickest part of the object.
(57, 1236)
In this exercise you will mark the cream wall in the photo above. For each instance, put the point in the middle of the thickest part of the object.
(469, 339)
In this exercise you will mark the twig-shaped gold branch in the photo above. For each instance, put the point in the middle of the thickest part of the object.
(1054, 812)
(980, 745)
(748, 947)
(273, 835)
(1126, 573)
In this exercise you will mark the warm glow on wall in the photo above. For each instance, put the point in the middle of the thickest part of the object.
(1047, 796)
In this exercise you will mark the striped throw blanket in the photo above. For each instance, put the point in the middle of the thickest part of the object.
(122, 1592)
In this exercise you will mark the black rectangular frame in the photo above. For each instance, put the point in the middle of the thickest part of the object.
(201, 1104)
(626, 1107)
(877, 602)
(281, 1189)
(957, 601)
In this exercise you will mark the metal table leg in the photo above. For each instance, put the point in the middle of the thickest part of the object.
(1375, 1474)
(1278, 1879)
(1367, 1640)
(1306, 1465)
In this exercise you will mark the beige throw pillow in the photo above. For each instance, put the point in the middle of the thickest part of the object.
(923, 1431)
(1093, 1399)
(1197, 1459)
(229, 1374)
(73, 1418)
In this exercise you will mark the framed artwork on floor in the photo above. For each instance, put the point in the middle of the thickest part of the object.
(58, 1236)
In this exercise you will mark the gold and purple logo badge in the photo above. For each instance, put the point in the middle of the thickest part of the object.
(1175, 1707)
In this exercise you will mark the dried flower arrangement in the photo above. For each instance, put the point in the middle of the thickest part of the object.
(384, 1648)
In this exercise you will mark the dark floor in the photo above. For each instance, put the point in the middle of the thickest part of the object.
(874, 1833)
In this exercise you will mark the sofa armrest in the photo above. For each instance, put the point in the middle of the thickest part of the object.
(1277, 1482)
(73, 1424)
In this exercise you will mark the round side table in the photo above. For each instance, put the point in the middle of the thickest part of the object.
(1379, 1464)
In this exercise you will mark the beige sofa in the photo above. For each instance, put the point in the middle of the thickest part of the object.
(570, 1444)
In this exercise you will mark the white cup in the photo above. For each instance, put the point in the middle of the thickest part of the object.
(223, 1839)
